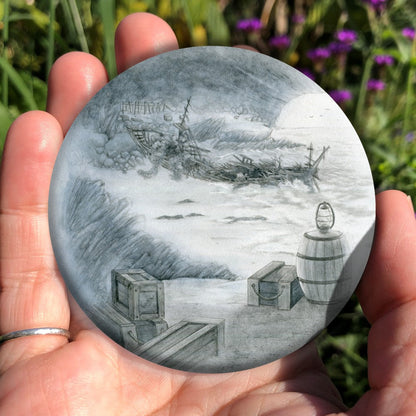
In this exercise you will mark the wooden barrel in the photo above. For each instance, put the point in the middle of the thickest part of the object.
(320, 265)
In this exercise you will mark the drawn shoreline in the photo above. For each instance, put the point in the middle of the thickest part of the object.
(98, 223)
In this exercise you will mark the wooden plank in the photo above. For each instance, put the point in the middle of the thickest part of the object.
(166, 334)
(160, 354)
(200, 352)
(296, 293)
(192, 356)
(292, 291)
(267, 270)
(185, 343)
(288, 274)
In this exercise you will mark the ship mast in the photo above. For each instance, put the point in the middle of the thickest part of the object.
(310, 160)
(184, 117)
(321, 156)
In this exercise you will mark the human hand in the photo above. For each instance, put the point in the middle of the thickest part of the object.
(90, 374)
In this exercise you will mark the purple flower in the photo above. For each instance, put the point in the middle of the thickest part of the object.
(298, 18)
(249, 25)
(308, 73)
(319, 54)
(410, 137)
(375, 85)
(280, 42)
(341, 96)
(384, 60)
(377, 5)
(346, 36)
(338, 48)
(408, 33)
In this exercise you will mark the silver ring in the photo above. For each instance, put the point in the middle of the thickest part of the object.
(34, 331)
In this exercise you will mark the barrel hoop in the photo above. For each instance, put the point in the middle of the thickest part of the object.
(338, 256)
(333, 238)
(321, 282)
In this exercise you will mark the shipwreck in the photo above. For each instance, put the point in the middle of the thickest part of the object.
(181, 154)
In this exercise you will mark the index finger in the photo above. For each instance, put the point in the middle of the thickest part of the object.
(390, 277)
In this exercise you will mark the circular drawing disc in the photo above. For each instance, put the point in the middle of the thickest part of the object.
(211, 209)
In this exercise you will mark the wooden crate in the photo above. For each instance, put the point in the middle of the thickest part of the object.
(137, 294)
(274, 285)
(254, 281)
(129, 334)
(185, 344)
(116, 326)
(149, 329)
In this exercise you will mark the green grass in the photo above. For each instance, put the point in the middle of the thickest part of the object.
(343, 349)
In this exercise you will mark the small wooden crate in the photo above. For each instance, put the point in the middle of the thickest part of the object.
(116, 326)
(274, 285)
(185, 344)
(128, 334)
(137, 295)
(253, 281)
(149, 329)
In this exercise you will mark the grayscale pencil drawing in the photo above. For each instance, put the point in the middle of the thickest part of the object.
(211, 209)
(181, 155)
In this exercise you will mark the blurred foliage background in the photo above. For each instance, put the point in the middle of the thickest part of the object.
(363, 52)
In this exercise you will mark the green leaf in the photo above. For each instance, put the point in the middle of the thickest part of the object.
(5, 122)
(106, 9)
(388, 34)
(38, 87)
(188, 15)
(76, 17)
(38, 17)
(217, 28)
(19, 84)
(386, 156)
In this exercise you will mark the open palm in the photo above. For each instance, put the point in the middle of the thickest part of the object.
(90, 374)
